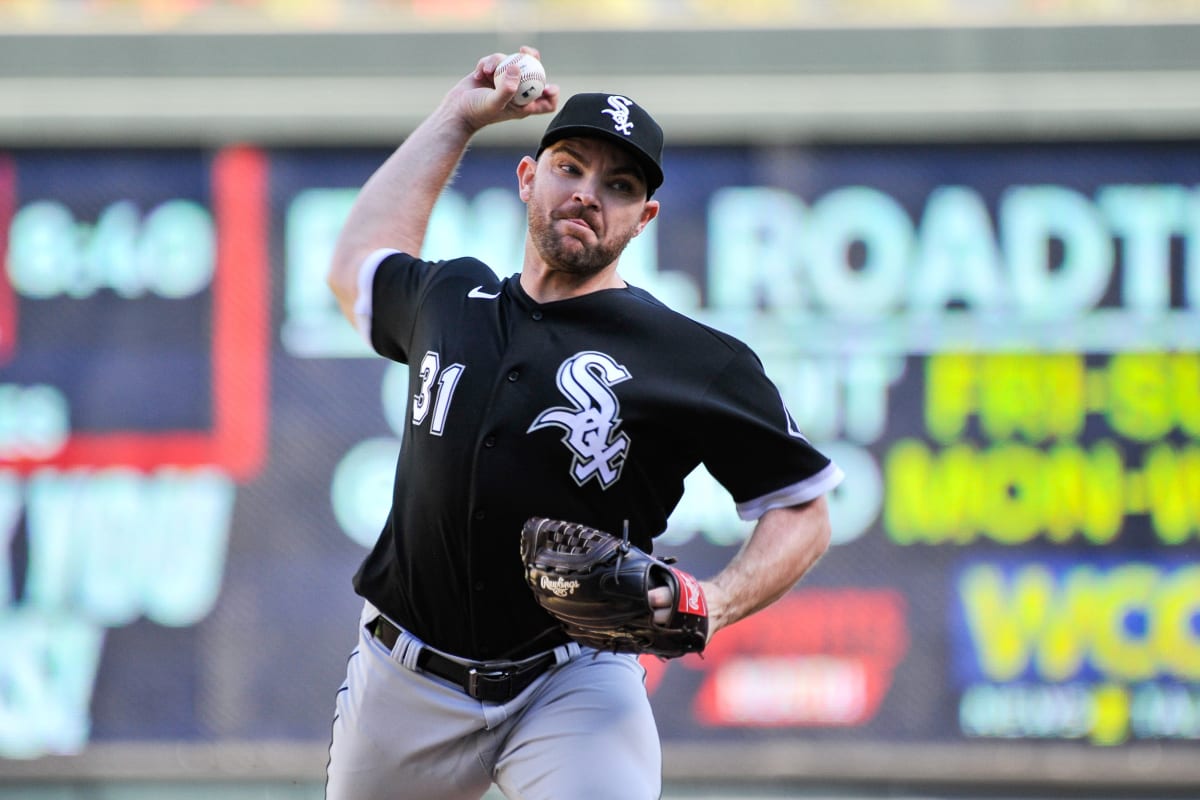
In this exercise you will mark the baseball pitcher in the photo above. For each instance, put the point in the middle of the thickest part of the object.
(553, 417)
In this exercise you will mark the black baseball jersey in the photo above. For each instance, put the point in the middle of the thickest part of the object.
(592, 409)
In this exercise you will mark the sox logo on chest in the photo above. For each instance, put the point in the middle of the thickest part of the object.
(592, 423)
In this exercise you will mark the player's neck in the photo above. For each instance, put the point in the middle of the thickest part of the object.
(546, 285)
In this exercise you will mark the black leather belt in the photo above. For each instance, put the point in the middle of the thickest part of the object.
(493, 683)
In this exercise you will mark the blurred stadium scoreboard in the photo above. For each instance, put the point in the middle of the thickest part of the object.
(999, 343)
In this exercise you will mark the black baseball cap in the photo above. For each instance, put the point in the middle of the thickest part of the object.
(614, 117)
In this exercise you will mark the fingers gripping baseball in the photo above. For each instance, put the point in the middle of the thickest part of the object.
(492, 95)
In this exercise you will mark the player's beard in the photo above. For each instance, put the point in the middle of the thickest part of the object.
(569, 254)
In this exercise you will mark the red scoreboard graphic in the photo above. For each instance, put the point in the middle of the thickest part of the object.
(239, 370)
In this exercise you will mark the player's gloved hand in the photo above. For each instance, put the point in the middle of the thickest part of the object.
(611, 595)
(660, 603)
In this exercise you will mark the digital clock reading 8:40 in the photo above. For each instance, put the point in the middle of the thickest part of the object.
(169, 252)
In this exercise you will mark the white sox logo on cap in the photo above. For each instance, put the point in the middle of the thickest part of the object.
(620, 113)
(614, 117)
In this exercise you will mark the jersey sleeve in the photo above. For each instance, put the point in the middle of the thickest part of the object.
(390, 285)
(753, 446)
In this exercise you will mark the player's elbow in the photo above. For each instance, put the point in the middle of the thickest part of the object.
(813, 533)
(820, 527)
(338, 283)
(342, 279)
(342, 276)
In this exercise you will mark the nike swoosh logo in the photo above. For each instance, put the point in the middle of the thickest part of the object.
(478, 294)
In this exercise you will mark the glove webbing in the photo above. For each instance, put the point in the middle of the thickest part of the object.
(574, 539)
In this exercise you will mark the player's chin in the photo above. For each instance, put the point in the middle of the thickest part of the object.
(576, 235)
(582, 263)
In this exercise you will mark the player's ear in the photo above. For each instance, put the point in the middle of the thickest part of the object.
(649, 212)
(525, 172)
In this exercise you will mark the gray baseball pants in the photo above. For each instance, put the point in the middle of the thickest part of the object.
(582, 730)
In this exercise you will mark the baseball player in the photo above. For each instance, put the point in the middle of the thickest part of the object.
(561, 391)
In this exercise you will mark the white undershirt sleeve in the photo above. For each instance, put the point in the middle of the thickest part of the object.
(810, 489)
(366, 283)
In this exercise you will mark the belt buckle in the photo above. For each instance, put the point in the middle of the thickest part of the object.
(490, 685)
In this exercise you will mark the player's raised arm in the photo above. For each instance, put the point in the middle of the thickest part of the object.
(394, 206)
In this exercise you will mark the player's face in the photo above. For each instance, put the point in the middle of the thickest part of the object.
(587, 199)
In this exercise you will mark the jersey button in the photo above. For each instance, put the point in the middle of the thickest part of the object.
(479, 514)
(489, 441)
(480, 586)
(513, 376)
(537, 316)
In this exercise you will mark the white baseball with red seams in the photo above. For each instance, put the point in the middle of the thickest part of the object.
(533, 77)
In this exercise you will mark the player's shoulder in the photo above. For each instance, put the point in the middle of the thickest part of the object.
(466, 269)
(441, 270)
(686, 328)
(429, 278)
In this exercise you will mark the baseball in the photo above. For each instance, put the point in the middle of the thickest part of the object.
(533, 77)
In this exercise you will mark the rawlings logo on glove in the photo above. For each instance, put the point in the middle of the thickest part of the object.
(597, 586)
(557, 586)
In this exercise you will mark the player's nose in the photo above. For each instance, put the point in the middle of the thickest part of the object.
(587, 193)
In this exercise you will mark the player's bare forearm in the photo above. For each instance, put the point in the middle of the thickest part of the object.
(785, 544)
(394, 205)
(393, 208)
